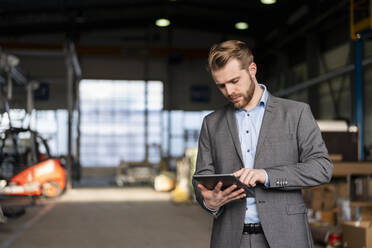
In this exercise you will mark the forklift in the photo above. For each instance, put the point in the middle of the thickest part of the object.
(27, 170)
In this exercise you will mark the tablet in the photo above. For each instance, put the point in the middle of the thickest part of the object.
(210, 182)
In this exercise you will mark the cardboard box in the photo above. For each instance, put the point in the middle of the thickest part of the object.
(357, 234)
(323, 198)
(342, 190)
(328, 216)
(363, 213)
(367, 213)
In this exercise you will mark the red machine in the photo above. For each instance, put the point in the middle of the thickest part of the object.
(44, 176)
(47, 178)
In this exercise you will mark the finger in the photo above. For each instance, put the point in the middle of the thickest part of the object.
(218, 187)
(249, 178)
(204, 191)
(242, 173)
(240, 196)
(227, 191)
(238, 173)
(257, 177)
(232, 195)
(235, 193)
(253, 180)
(245, 176)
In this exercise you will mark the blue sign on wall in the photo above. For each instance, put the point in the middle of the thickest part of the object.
(200, 93)
(42, 92)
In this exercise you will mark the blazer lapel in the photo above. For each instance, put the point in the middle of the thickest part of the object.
(266, 122)
(233, 128)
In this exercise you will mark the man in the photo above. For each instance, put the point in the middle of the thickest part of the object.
(271, 144)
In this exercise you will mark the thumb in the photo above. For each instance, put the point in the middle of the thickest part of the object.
(201, 187)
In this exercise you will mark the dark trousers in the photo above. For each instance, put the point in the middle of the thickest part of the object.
(254, 241)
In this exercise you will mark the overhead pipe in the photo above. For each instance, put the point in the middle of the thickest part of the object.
(324, 77)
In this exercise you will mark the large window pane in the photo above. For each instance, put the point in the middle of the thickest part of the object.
(113, 121)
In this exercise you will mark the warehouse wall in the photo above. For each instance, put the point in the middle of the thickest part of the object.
(178, 78)
(179, 73)
(335, 58)
(182, 73)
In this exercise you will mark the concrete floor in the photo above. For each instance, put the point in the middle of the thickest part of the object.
(108, 217)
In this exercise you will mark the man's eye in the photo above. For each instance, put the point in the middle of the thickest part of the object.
(221, 86)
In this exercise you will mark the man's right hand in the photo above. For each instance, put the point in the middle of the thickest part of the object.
(216, 198)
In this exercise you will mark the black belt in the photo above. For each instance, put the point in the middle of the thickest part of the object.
(252, 228)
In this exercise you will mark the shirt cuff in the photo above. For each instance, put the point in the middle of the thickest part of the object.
(267, 183)
(212, 210)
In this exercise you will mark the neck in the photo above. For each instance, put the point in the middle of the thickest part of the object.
(258, 92)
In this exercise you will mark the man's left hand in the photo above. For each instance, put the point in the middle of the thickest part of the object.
(251, 177)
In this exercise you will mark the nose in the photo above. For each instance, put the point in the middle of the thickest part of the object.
(229, 89)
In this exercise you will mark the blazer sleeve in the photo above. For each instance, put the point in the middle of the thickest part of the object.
(314, 166)
(204, 165)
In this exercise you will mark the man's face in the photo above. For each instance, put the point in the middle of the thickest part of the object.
(236, 84)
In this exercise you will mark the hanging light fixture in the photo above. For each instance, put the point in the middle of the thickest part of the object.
(268, 1)
(241, 25)
(162, 22)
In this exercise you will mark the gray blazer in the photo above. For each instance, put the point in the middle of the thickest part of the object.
(291, 150)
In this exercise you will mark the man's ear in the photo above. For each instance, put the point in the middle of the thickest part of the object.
(252, 69)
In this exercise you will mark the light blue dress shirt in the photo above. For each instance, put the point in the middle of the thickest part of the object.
(249, 125)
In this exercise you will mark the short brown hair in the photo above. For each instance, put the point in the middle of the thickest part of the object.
(221, 53)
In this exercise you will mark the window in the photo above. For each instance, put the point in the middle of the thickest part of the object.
(113, 121)
(184, 130)
(50, 124)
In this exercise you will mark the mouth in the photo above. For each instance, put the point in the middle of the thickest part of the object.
(236, 99)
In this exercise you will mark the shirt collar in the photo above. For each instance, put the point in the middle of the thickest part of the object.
(264, 96)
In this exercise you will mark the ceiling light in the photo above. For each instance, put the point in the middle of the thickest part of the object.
(162, 22)
(241, 25)
(12, 60)
(268, 1)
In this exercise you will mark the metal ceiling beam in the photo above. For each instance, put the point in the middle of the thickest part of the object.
(314, 21)
(82, 17)
(237, 6)
(225, 26)
(25, 49)
(335, 73)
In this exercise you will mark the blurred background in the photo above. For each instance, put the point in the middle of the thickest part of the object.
(102, 102)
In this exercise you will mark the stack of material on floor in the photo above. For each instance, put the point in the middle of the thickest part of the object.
(165, 182)
(357, 234)
(324, 233)
(321, 200)
(183, 192)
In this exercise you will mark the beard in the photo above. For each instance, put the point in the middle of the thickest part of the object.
(246, 96)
